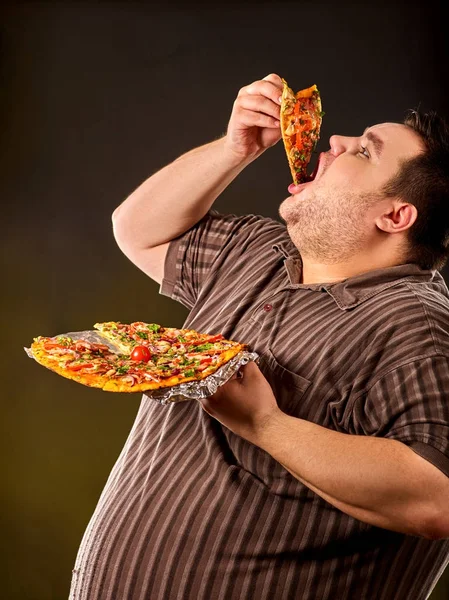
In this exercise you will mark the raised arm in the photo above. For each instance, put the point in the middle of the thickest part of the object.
(178, 196)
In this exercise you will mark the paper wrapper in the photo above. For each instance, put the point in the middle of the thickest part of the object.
(191, 390)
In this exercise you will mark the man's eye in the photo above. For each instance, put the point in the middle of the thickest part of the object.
(363, 150)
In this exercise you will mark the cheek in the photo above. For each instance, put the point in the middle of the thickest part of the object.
(344, 176)
(349, 178)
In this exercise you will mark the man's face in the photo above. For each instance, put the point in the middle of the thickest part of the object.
(332, 217)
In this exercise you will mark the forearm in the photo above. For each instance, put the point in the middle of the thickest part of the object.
(175, 198)
(372, 479)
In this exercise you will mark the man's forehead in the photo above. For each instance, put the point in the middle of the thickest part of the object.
(384, 126)
(397, 136)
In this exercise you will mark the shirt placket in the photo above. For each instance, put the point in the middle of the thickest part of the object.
(272, 302)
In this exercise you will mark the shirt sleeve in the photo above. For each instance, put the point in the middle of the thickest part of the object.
(411, 404)
(192, 257)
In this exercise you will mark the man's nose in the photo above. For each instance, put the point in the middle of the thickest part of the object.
(339, 144)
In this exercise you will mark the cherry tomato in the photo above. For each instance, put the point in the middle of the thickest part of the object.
(141, 354)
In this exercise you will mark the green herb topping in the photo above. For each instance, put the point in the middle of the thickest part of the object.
(206, 346)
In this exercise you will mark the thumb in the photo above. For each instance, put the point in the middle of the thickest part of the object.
(249, 370)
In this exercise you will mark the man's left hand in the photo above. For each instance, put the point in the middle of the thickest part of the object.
(245, 404)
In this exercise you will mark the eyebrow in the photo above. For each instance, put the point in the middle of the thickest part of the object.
(377, 143)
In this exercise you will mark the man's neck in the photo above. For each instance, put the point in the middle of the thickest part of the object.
(314, 272)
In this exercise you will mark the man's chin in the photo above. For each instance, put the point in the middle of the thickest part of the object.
(281, 211)
(288, 209)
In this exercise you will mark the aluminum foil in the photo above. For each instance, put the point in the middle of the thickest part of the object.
(191, 390)
(196, 390)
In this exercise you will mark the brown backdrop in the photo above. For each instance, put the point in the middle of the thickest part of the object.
(95, 97)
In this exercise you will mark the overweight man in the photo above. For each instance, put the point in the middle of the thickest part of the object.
(321, 473)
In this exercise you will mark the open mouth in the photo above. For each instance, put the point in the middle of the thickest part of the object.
(312, 176)
(295, 189)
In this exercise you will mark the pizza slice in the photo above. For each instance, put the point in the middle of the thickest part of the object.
(158, 338)
(125, 336)
(301, 118)
(80, 360)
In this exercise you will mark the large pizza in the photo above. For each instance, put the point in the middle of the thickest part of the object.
(147, 356)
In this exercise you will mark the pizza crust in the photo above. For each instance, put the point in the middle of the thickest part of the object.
(42, 357)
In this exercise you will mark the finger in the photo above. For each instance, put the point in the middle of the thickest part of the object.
(237, 375)
(294, 189)
(260, 104)
(253, 365)
(250, 369)
(221, 392)
(234, 380)
(275, 79)
(250, 118)
(224, 387)
(206, 405)
(263, 88)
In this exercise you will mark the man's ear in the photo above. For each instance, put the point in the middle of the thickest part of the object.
(398, 217)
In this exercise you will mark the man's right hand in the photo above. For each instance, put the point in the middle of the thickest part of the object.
(180, 194)
(254, 125)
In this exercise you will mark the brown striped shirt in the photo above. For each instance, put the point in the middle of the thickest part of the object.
(191, 511)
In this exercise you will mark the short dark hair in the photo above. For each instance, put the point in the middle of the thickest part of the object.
(424, 182)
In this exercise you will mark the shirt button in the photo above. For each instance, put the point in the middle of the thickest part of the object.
(267, 307)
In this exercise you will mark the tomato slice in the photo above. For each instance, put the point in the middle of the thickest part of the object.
(79, 366)
(51, 345)
(300, 128)
(215, 338)
(140, 354)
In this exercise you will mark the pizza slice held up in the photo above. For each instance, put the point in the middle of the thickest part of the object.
(301, 118)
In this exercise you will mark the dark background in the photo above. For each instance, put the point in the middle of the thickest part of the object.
(95, 97)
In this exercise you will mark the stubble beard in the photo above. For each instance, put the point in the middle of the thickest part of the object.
(328, 228)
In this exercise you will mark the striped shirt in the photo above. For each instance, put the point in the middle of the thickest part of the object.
(192, 511)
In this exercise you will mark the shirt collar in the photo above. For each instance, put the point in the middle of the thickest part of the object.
(352, 291)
